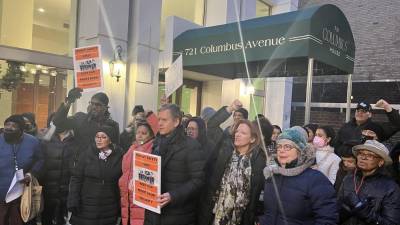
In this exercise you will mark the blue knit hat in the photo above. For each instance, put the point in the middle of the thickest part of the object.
(295, 136)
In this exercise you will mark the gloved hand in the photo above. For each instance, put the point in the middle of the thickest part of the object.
(352, 200)
(74, 94)
(363, 209)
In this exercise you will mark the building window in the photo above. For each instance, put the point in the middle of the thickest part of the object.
(41, 25)
(263, 8)
(192, 10)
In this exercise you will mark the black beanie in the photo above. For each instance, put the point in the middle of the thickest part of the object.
(110, 131)
(137, 109)
(244, 112)
(18, 119)
(30, 116)
(102, 97)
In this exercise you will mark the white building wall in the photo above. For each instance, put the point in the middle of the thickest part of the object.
(135, 26)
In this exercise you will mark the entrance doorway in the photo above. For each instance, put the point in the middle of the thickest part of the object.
(39, 90)
(188, 96)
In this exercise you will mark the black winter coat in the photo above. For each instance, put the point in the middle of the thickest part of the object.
(182, 176)
(215, 171)
(94, 188)
(214, 132)
(84, 128)
(351, 131)
(57, 169)
(380, 197)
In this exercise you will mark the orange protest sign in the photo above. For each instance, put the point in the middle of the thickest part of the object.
(88, 67)
(147, 177)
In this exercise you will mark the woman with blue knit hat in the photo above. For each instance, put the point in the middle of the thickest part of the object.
(293, 192)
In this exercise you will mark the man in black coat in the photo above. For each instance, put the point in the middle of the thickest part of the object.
(182, 175)
(362, 120)
(85, 125)
(58, 153)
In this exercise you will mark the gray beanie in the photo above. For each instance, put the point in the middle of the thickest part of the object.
(207, 113)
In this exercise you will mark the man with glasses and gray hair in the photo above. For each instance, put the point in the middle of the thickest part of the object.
(83, 124)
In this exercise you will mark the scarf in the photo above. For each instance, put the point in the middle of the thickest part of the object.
(103, 155)
(162, 142)
(234, 193)
(305, 160)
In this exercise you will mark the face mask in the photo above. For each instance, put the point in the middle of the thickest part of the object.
(319, 142)
(11, 136)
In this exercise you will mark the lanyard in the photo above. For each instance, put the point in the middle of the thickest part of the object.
(15, 149)
(357, 189)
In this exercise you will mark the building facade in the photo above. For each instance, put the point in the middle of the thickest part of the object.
(145, 31)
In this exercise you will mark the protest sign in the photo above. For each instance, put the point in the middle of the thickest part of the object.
(147, 179)
(88, 68)
(174, 77)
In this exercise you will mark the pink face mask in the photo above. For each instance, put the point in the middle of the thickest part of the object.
(319, 142)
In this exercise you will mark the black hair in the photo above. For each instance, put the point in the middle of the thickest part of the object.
(266, 130)
(148, 127)
(277, 127)
(312, 126)
(329, 131)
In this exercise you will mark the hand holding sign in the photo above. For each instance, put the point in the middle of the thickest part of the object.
(164, 199)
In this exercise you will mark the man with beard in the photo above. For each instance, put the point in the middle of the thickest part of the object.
(85, 125)
(18, 151)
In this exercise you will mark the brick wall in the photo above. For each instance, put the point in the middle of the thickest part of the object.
(376, 29)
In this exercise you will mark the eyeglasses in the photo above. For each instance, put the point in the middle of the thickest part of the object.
(367, 156)
(96, 104)
(285, 147)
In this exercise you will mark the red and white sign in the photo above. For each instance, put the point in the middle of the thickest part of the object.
(88, 68)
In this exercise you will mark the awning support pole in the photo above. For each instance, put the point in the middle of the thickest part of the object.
(309, 90)
(349, 91)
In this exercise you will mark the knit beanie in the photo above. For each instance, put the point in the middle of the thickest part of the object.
(302, 131)
(102, 97)
(18, 119)
(294, 135)
(110, 131)
(137, 109)
(244, 112)
(207, 113)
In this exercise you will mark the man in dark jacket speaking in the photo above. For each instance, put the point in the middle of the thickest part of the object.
(84, 125)
(182, 175)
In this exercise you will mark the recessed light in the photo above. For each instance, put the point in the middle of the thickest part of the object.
(45, 71)
(41, 10)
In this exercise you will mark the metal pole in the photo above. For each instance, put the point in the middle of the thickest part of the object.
(349, 90)
(309, 91)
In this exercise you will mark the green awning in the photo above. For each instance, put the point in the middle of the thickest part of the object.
(278, 45)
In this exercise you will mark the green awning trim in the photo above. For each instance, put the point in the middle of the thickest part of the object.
(276, 45)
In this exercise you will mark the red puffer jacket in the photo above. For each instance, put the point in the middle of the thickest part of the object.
(129, 211)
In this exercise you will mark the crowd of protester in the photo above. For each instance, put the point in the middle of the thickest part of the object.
(251, 172)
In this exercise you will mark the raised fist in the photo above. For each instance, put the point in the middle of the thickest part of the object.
(384, 105)
(74, 94)
(236, 104)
